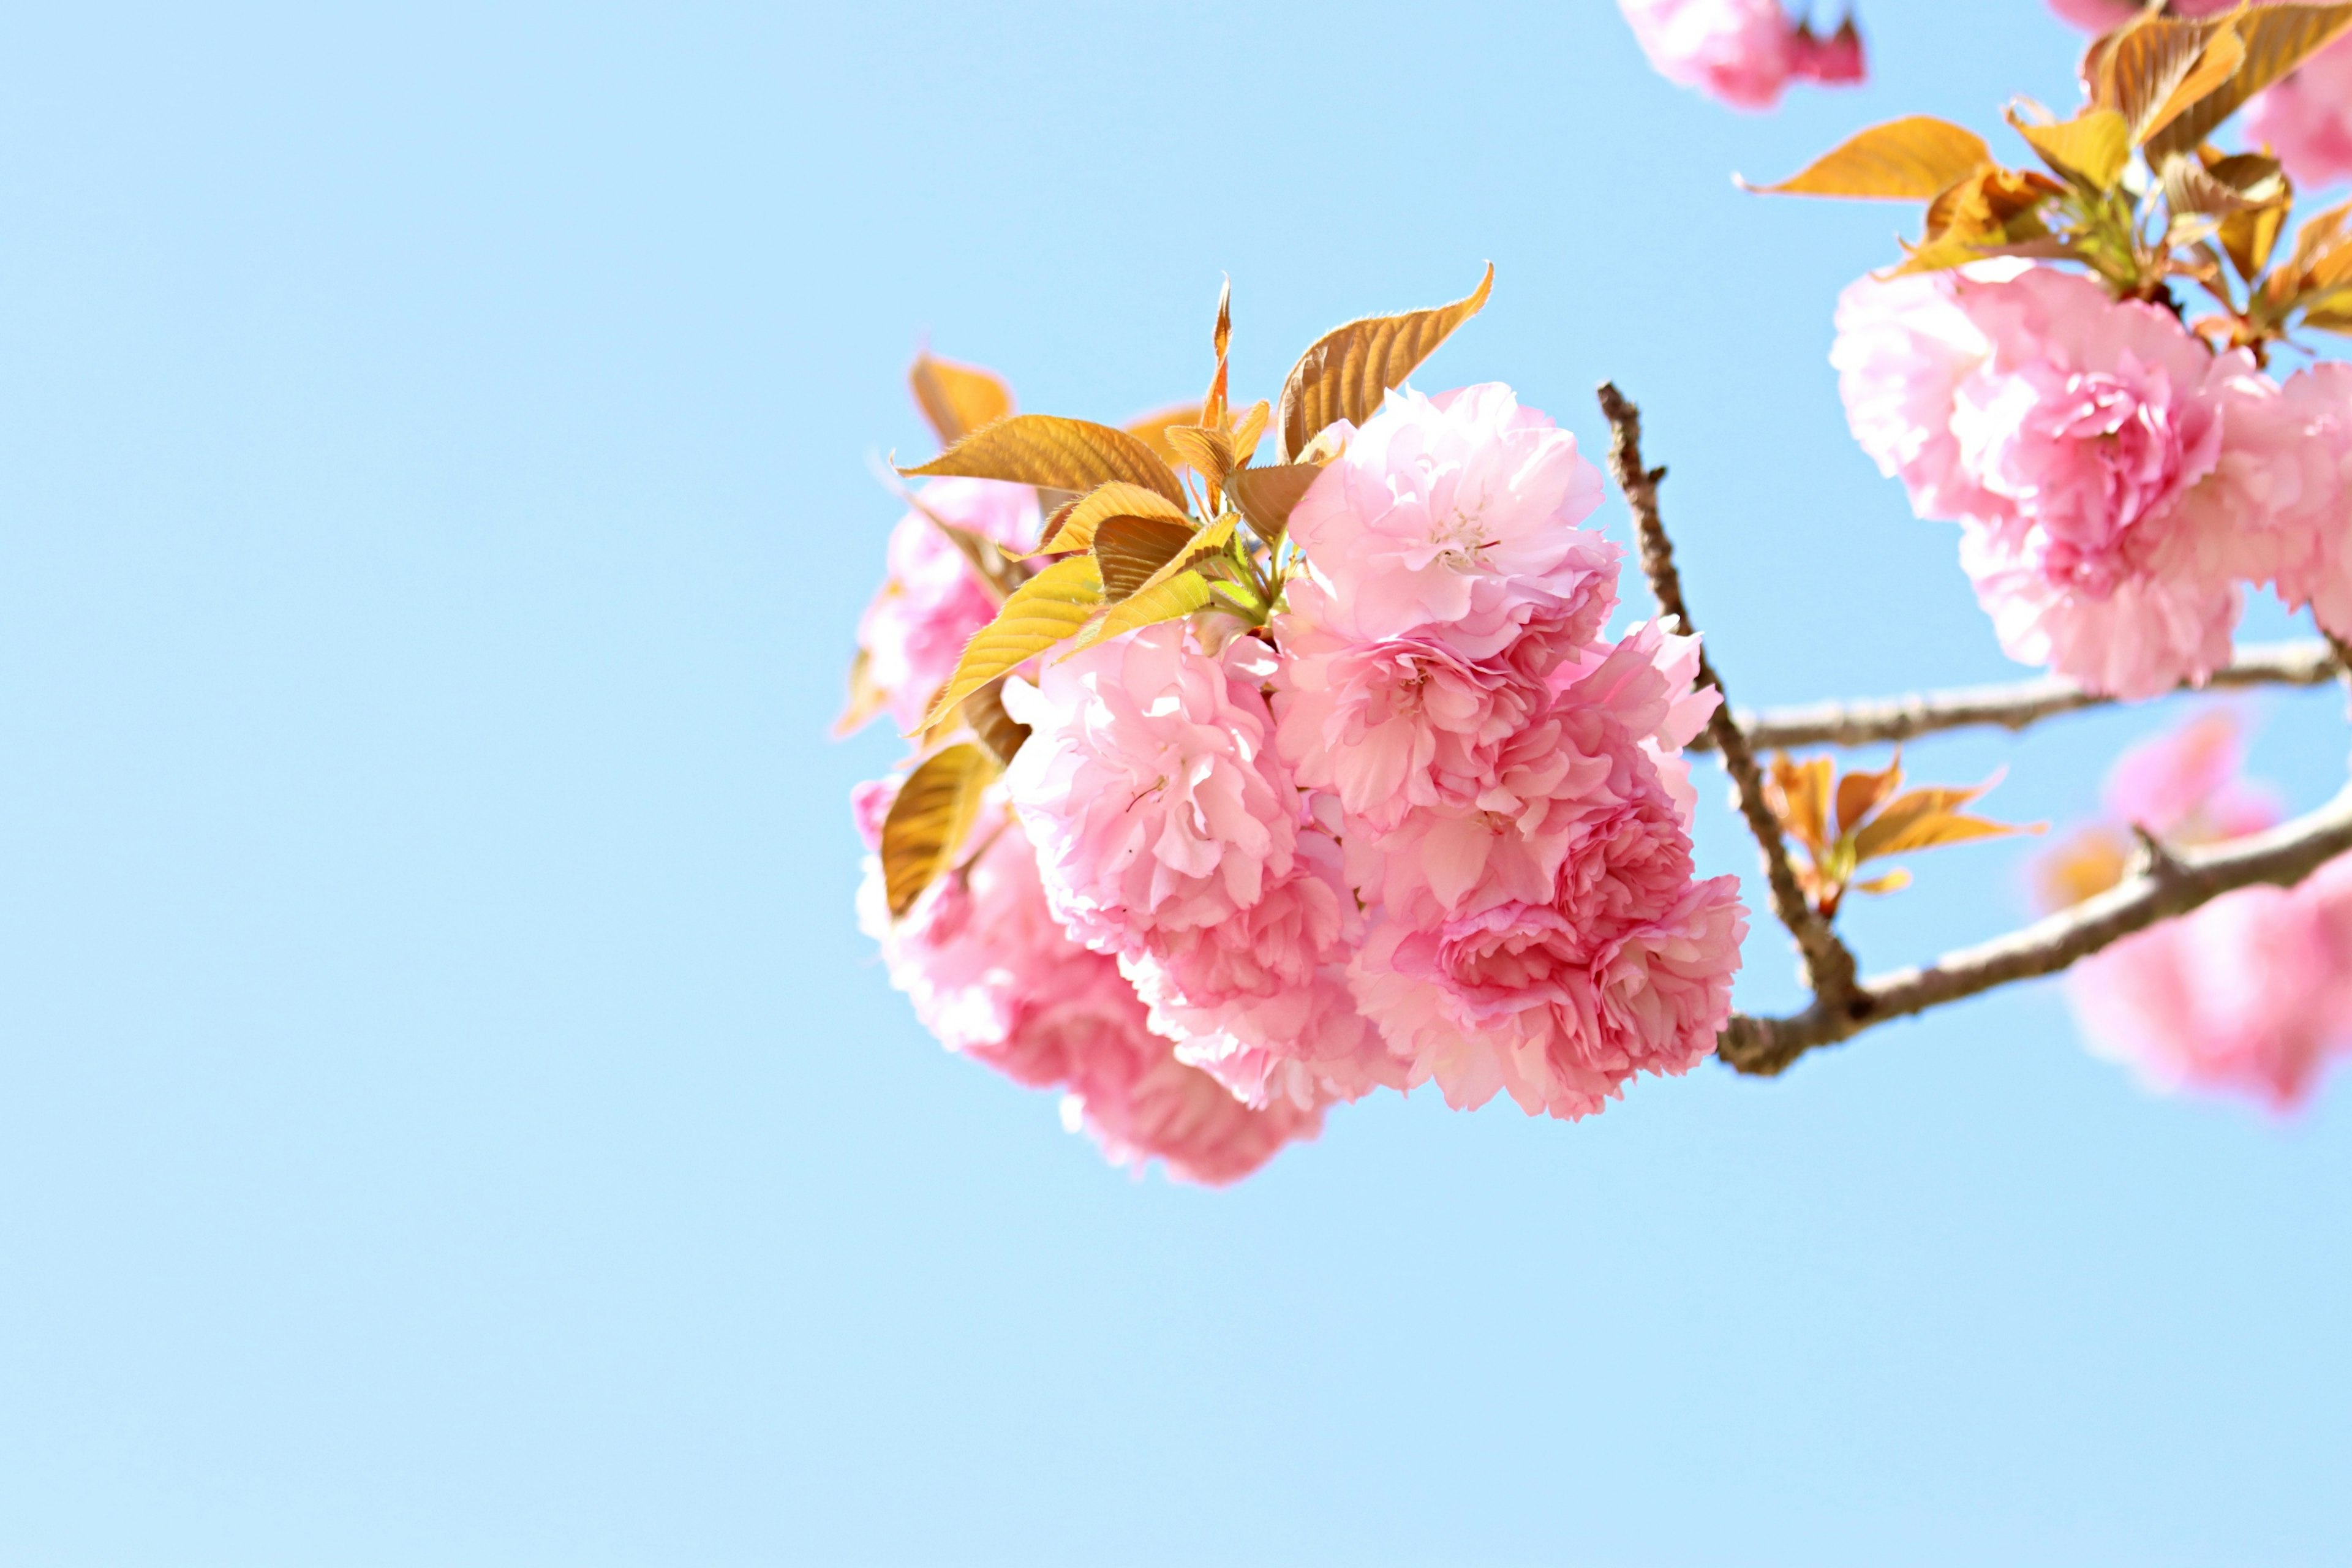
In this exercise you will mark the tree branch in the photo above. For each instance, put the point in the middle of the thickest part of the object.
(2011, 707)
(1829, 964)
(2162, 885)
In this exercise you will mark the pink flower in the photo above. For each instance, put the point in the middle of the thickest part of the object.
(1554, 941)
(2075, 436)
(2307, 120)
(1904, 347)
(995, 977)
(1403, 721)
(2096, 15)
(1173, 836)
(1739, 52)
(1143, 1103)
(1455, 516)
(1149, 786)
(1835, 61)
(2249, 993)
(2187, 785)
(932, 600)
(2294, 521)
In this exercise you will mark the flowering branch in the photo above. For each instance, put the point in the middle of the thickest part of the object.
(1829, 964)
(2013, 706)
(2163, 885)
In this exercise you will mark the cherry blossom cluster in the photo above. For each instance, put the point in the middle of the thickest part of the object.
(2117, 481)
(1429, 823)
(2251, 993)
(1743, 53)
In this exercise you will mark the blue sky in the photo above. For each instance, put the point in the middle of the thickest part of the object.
(447, 1112)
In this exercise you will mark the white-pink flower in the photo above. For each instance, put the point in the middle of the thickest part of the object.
(1454, 516)
(994, 977)
(914, 630)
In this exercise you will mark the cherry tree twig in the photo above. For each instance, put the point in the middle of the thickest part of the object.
(1829, 964)
(2011, 707)
(2161, 884)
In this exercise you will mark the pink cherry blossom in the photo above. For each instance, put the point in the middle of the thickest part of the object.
(995, 977)
(1173, 836)
(1742, 53)
(1834, 60)
(2293, 514)
(1151, 787)
(2307, 120)
(1455, 516)
(2188, 784)
(1141, 1103)
(2250, 993)
(932, 600)
(1403, 721)
(1555, 941)
(1904, 347)
(2076, 435)
(2096, 15)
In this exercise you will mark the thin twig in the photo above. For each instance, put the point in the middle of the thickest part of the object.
(2012, 707)
(1829, 964)
(2166, 884)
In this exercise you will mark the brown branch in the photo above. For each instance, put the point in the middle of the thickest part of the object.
(2012, 707)
(2163, 884)
(1829, 964)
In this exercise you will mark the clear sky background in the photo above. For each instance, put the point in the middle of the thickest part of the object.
(447, 1112)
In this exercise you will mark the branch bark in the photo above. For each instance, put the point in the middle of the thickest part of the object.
(1829, 964)
(2011, 707)
(2160, 887)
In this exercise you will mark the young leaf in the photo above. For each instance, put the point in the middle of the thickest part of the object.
(1267, 496)
(1798, 794)
(927, 823)
(1859, 794)
(1074, 528)
(2092, 147)
(1176, 589)
(865, 696)
(998, 731)
(1129, 550)
(2152, 70)
(1347, 369)
(1912, 159)
(1169, 599)
(958, 399)
(1930, 831)
(1054, 453)
(1247, 427)
(1042, 611)
(2275, 39)
(1926, 817)
(1204, 451)
(1151, 429)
